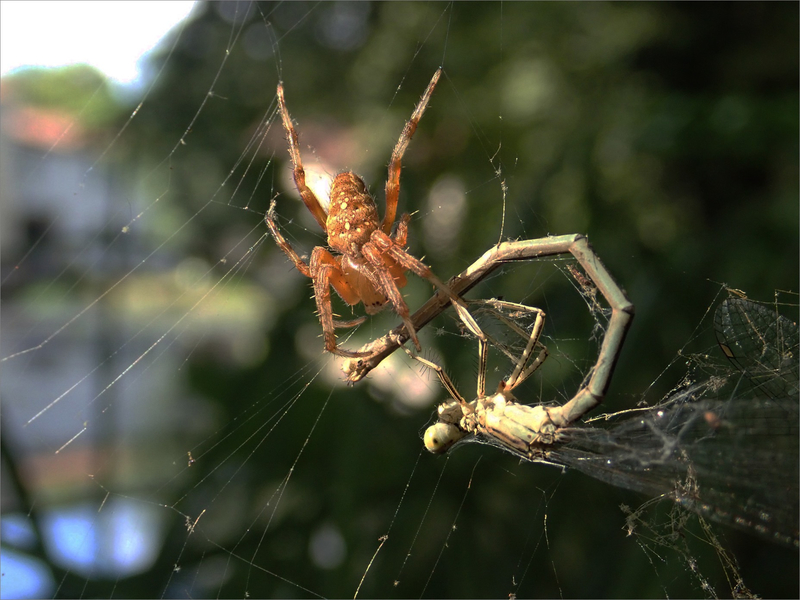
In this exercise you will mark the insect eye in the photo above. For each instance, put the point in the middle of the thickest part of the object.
(441, 436)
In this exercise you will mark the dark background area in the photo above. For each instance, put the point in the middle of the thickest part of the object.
(668, 133)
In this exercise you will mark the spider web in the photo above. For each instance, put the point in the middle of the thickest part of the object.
(171, 427)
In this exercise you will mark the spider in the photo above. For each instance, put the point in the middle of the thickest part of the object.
(371, 263)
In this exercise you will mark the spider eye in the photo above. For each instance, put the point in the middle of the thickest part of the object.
(441, 436)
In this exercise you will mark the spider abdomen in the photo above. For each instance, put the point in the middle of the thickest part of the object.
(352, 214)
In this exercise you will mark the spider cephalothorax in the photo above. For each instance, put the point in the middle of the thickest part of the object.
(372, 262)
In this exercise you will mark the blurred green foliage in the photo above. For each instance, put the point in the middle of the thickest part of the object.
(77, 90)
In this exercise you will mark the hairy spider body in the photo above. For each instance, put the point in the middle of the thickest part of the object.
(352, 214)
(371, 263)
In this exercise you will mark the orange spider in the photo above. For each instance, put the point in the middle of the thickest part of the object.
(371, 263)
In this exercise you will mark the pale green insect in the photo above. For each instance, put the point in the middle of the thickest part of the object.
(499, 419)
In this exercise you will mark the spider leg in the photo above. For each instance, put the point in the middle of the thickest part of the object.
(309, 199)
(400, 236)
(347, 324)
(272, 225)
(395, 164)
(326, 273)
(388, 285)
(335, 277)
(386, 245)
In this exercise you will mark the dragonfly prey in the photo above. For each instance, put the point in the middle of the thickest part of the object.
(726, 453)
